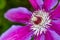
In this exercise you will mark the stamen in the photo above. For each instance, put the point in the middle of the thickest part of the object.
(40, 20)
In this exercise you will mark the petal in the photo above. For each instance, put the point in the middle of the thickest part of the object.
(20, 14)
(55, 16)
(37, 4)
(42, 37)
(56, 12)
(48, 36)
(49, 4)
(17, 33)
(55, 35)
(39, 37)
(56, 25)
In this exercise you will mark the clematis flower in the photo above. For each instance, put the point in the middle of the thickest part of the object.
(41, 24)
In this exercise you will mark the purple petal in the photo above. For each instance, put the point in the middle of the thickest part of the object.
(42, 37)
(56, 12)
(56, 19)
(39, 37)
(48, 36)
(56, 25)
(19, 14)
(49, 4)
(55, 35)
(37, 4)
(17, 33)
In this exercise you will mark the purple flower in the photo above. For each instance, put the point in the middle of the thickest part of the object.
(41, 24)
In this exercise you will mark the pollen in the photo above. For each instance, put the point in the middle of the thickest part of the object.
(41, 21)
(34, 18)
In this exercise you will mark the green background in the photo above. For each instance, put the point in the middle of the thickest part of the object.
(8, 4)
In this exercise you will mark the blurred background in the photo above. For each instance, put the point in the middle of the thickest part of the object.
(8, 4)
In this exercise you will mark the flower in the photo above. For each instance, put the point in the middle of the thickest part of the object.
(41, 24)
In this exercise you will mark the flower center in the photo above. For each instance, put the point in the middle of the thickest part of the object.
(37, 20)
(41, 21)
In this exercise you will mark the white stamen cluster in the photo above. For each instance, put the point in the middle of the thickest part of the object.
(41, 27)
